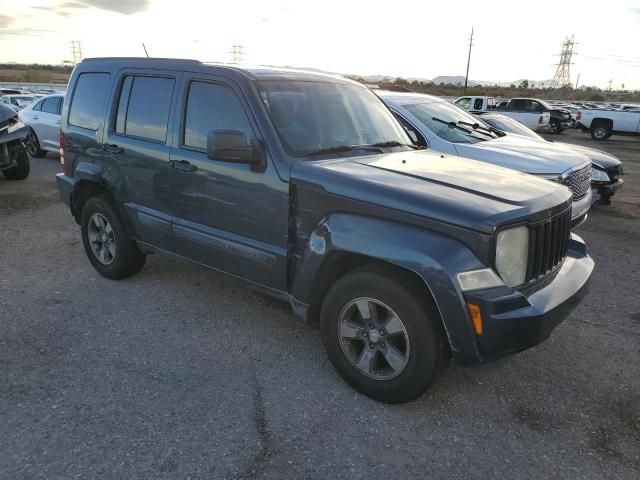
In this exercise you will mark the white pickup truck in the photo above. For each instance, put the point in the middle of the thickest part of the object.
(535, 117)
(604, 123)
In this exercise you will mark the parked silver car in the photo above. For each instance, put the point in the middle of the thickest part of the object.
(17, 102)
(43, 117)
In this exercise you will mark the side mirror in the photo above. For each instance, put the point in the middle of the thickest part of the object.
(232, 146)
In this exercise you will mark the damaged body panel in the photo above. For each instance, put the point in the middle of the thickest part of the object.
(14, 159)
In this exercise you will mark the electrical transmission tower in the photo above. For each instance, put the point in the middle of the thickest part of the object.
(562, 78)
(76, 51)
(237, 54)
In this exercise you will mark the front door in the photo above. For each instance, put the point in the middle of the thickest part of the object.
(228, 216)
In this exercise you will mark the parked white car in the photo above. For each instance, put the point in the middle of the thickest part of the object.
(43, 117)
(441, 126)
(534, 119)
(17, 102)
(604, 123)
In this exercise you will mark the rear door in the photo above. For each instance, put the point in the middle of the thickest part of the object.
(522, 111)
(137, 141)
(228, 216)
(46, 123)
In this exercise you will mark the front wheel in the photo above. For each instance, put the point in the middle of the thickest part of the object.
(382, 335)
(113, 254)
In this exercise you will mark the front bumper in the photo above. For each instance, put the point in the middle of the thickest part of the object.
(599, 190)
(516, 320)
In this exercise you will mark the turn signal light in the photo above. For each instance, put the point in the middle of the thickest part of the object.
(476, 318)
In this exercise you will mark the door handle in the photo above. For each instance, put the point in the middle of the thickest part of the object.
(112, 148)
(36, 118)
(182, 165)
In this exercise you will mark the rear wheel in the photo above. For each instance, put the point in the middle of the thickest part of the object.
(600, 131)
(555, 127)
(23, 165)
(382, 335)
(109, 248)
(33, 145)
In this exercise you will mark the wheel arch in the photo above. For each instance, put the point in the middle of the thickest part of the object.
(426, 260)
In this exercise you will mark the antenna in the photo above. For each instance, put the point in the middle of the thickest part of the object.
(466, 77)
(145, 50)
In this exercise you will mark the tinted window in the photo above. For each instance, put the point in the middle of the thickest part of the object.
(212, 107)
(38, 106)
(464, 103)
(477, 104)
(51, 105)
(88, 100)
(518, 104)
(147, 109)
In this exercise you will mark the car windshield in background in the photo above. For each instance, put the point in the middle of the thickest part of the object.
(448, 122)
(509, 125)
(314, 117)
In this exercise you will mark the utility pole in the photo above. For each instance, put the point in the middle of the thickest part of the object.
(466, 77)
(577, 80)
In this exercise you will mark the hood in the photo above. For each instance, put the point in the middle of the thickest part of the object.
(6, 112)
(523, 154)
(449, 189)
(602, 159)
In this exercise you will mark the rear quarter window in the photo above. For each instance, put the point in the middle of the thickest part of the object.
(88, 100)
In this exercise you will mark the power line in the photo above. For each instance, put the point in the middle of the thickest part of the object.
(466, 77)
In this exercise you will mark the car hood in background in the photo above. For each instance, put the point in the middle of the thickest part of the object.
(523, 154)
(602, 159)
(450, 189)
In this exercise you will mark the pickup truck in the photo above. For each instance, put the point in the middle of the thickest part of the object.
(601, 124)
(305, 187)
(560, 117)
(535, 120)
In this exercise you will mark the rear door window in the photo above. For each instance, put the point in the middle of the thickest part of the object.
(51, 105)
(143, 107)
(88, 100)
(477, 104)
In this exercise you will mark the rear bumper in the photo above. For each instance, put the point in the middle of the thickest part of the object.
(514, 321)
(65, 187)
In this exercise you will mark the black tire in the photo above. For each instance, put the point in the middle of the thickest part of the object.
(600, 131)
(427, 349)
(127, 260)
(22, 169)
(555, 127)
(33, 145)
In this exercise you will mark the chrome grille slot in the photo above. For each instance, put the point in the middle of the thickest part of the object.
(579, 182)
(548, 244)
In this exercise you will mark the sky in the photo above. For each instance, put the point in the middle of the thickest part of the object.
(513, 40)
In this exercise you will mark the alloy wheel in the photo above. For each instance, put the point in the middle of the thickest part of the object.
(373, 338)
(102, 239)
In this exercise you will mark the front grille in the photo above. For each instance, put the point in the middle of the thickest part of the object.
(548, 244)
(579, 182)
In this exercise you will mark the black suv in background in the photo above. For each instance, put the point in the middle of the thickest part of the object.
(306, 187)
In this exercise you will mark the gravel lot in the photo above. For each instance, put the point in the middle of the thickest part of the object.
(181, 373)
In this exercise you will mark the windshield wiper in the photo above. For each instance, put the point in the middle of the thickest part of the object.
(394, 143)
(345, 148)
(458, 127)
(481, 129)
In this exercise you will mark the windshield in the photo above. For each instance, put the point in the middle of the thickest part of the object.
(314, 116)
(436, 115)
(509, 125)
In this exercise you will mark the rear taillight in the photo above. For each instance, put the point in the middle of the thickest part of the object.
(541, 120)
(64, 169)
(578, 115)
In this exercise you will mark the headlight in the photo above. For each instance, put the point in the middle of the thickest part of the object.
(599, 175)
(512, 251)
